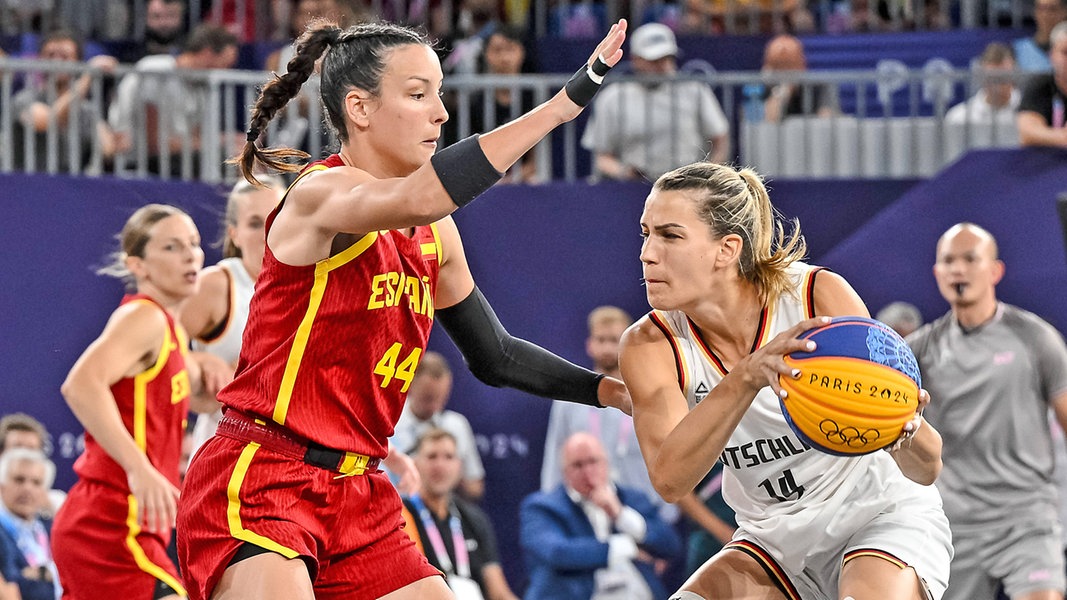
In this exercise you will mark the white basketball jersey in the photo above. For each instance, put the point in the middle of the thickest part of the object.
(227, 345)
(786, 494)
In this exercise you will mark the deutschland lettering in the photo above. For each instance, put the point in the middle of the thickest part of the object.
(760, 451)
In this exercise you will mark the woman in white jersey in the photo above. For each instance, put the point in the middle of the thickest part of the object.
(216, 316)
(729, 297)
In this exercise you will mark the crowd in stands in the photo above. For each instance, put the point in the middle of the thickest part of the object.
(140, 104)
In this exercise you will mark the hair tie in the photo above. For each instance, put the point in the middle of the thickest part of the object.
(253, 133)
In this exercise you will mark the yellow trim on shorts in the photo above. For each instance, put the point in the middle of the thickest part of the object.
(303, 331)
(139, 556)
(882, 554)
(774, 571)
(233, 507)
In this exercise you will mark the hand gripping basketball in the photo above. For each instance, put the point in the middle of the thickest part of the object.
(586, 82)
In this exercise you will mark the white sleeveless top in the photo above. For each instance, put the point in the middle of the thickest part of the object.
(227, 345)
(787, 495)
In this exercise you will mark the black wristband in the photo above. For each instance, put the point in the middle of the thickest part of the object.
(585, 83)
(464, 170)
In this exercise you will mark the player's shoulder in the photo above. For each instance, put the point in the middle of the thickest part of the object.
(1029, 326)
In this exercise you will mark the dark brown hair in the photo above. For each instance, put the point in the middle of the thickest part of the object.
(356, 60)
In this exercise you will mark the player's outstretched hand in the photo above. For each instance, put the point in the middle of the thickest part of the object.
(764, 366)
(581, 88)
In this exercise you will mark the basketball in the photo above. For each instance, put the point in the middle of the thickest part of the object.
(855, 391)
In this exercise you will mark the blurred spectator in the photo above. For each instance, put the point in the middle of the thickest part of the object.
(476, 21)
(504, 54)
(748, 16)
(902, 317)
(591, 538)
(643, 128)
(1041, 111)
(425, 408)
(785, 54)
(61, 103)
(455, 535)
(165, 108)
(1032, 53)
(302, 12)
(164, 30)
(613, 428)
(25, 546)
(294, 121)
(998, 100)
(20, 430)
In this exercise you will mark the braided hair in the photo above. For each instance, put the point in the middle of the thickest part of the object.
(356, 59)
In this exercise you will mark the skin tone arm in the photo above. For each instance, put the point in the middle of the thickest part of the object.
(496, 585)
(40, 113)
(614, 168)
(200, 314)
(680, 446)
(1035, 131)
(350, 200)
(707, 520)
(128, 345)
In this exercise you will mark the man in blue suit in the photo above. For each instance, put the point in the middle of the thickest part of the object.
(25, 548)
(590, 539)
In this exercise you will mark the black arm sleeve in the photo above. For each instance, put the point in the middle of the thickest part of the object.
(499, 359)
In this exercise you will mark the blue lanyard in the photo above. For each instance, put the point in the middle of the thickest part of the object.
(459, 543)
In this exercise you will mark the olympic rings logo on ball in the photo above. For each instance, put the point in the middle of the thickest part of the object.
(849, 436)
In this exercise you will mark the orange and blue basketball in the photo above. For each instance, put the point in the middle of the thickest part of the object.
(856, 390)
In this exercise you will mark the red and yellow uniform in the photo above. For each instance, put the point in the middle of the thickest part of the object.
(328, 354)
(99, 548)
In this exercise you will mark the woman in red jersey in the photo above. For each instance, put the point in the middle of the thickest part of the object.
(131, 389)
(286, 500)
(216, 315)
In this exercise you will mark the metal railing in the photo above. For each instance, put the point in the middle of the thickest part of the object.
(253, 20)
(883, 126)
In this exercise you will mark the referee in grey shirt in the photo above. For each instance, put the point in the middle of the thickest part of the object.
(993, 372)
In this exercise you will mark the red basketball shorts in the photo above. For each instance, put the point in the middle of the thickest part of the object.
(101, 552)
(349, 528)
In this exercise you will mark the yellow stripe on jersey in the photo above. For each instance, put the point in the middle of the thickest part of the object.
(233, 507)
(808, 288)
(303, 331)
(882, 554)
(133, 529)
(680, 363)
(764, 335)
(140, 388)
(436, 241)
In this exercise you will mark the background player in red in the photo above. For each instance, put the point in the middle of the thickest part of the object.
(131, 389)
(286, 501)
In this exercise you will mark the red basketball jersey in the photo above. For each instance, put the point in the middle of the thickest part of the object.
(330, 348)
(153, 405)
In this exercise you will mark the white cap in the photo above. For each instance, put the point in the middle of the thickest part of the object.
(653, 41)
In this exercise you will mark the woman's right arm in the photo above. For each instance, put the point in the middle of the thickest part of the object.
(127, 346)
(679, 445)
(350, 200)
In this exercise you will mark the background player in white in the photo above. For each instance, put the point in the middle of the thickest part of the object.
(995, 371)
(730, 298)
